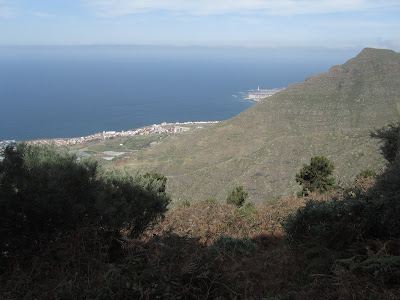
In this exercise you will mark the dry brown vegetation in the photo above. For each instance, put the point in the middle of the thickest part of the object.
(209, 219)
(178, 259)
(172, 259)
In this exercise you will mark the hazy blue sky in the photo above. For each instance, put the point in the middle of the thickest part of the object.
(270, 23)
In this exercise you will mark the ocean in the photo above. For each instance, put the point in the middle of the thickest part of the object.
(72, 91)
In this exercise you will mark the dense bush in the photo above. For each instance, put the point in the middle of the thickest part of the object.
(316, 175)
(387, 187)
(338, 225)
(161, 179)
(366, 173)
(389, 182)
(44, 193)
(334, 224)
(390, 135)
(237, 196)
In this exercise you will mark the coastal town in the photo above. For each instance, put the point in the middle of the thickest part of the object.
(164, 127)
(177, 127)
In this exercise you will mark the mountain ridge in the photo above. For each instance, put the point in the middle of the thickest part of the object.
(330, 114)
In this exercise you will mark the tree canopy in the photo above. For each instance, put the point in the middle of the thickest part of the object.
(317, 175)
(237, 196)
(45, 192)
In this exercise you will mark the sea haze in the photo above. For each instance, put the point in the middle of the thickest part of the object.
(68, 91)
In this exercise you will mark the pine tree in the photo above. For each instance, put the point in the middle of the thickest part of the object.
(237, 196)
(316, 175)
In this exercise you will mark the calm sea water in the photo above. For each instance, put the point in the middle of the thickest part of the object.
(48, 92)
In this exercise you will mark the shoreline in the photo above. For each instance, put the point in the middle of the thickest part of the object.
(164, 127)
(251, 95)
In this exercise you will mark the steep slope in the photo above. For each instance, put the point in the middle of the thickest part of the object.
(262, 148)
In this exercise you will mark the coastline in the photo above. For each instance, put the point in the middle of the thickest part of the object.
(164, 127)
(176, 127)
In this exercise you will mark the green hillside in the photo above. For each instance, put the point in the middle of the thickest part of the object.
(329, 114)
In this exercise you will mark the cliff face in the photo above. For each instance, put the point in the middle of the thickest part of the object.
(262, 148)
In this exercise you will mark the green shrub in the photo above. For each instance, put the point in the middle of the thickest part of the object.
(390, 135)
(131, 203)
(185, 203)
(44, 193)
(367, 173)
(249, 209)
(385, 269)
(237, 196)
(388, 263)
(387, 186)
(324, 224)
(316, 175)
(326, 231)
(337, 224)
(161, 179)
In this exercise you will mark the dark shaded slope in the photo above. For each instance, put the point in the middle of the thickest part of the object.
(262, 148)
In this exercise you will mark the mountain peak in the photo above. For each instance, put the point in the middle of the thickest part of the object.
(373, 52)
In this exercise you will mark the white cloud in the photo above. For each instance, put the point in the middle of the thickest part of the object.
(109, 8)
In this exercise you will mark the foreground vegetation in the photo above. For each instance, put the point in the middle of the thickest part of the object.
(70, 231)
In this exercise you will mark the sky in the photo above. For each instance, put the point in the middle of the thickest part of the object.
(248, 23)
